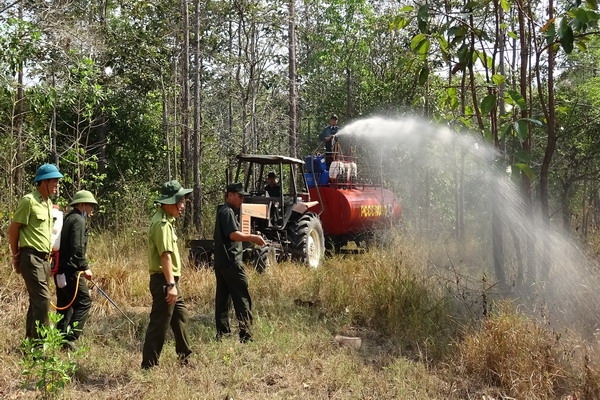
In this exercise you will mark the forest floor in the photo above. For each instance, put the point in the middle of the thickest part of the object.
(298, 313)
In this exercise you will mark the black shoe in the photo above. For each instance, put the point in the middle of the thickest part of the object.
(246, 338)
(146, 367)
(220, 336)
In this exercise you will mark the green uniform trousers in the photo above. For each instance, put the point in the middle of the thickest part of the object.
(35, 269)
(232, 287)
(162, 316)
(75, 316)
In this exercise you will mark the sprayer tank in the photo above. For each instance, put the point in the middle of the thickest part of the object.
(347, 211)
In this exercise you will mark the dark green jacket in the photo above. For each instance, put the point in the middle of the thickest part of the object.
(73, 244)
(328, 131)
(228, 252)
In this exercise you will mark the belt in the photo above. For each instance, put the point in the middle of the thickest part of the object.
(160, 275)
(39, 254)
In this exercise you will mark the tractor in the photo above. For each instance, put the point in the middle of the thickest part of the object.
(320, 202)
(290, 229)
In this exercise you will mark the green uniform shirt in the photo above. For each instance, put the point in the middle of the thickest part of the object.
(227, 252)
(162, 238)
(35, 216)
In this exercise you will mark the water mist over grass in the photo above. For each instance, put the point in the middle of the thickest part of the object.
(452, 185)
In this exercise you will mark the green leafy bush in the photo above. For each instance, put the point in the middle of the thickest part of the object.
(49, 360)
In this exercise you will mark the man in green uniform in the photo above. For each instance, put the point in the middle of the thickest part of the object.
(29, 238)
(168, 308)
(232, 283)
(73, 299)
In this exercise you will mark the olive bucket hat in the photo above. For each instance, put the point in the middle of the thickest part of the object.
(172, 192)
(83, 196)
(47, 171)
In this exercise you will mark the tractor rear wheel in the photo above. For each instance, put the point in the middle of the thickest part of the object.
(309, 241)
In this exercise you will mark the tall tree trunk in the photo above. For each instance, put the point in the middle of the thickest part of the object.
(165, 123)
(18, 127)
(524, 89)
(501, 30)
(185, 95)
(550, 114)
(175, 117)
(197, 142)
(497, 228)
(293, 117)
(551, 128)
(253, 82)
(349, 98)
(593, 220)
(243, 92)
(54, 131)
(185, 106)
(227, 140)
(564, 205)
(102, 132)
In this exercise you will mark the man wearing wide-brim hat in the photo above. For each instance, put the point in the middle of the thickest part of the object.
(30, 241)
(168, 308)
(73, 299)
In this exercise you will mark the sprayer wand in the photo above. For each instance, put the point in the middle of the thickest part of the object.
(111, 301)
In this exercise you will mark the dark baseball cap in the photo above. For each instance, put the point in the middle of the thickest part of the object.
(271, 175)
(237, 188)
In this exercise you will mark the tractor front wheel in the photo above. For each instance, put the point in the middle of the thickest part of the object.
(265, 257)
(309, 241)
(201, 258)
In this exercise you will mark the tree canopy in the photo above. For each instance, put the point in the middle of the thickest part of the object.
(125, 95)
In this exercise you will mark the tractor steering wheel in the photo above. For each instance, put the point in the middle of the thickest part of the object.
(258, 186)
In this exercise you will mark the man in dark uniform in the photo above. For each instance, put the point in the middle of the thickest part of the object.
(232, 283)
(73, 268)
(30, 242)
(168, 308)
(327, 136)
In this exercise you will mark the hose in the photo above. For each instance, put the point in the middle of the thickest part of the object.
(74, 296)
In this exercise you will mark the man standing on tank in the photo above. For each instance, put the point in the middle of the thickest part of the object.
(29, 239)
(232, 283)
(327, 136)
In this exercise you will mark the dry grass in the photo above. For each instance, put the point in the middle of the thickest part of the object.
(519, 358)
(412, 348)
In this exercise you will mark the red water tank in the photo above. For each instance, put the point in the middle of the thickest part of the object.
(350, 210)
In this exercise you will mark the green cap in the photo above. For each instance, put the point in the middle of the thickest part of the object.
(172, 192)
(83, 196)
